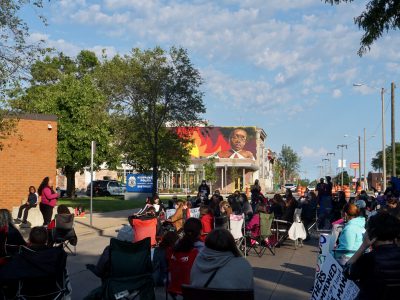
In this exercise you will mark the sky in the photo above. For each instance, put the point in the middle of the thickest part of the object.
(287, 66)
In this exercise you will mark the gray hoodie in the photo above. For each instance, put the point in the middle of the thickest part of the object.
(233, 272)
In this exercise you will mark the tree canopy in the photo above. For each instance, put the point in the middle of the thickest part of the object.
(64, 86)
(377, 161)
(379, 16)
(151, 90)
(289, 162)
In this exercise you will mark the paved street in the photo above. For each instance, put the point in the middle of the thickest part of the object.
(288, 275)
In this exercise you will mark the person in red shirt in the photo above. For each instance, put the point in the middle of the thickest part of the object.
(207, 222)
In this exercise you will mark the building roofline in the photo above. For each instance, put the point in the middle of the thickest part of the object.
(38, 117)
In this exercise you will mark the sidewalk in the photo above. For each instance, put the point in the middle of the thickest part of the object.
(287, 275)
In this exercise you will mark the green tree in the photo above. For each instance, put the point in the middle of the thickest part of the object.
(377, 161)
(210, 171)
(289, 162)
(338, 178)
(378, 17)
(154, 89)
(16, 55)
(59, 87)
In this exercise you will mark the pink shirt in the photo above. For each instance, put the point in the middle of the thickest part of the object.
(48, 197)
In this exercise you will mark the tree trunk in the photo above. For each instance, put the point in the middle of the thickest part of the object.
(70, 174)
(155, 165)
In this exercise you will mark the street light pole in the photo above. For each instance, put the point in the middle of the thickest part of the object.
(359, 157)
(330, 162)
(365, 175)
(325, 166)
(383, 139)
(393, 131)
(341, 162)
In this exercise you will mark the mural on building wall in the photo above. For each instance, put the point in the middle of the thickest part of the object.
(223, 142)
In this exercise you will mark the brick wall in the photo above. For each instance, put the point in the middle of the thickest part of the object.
(27, 158)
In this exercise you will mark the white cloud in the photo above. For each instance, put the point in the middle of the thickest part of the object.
(336, 93)
(310, 152)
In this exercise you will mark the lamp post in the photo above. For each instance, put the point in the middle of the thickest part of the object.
(324, 160)
(341, 162)
(330, 162)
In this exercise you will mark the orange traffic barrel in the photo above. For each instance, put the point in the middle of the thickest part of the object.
(347, 191)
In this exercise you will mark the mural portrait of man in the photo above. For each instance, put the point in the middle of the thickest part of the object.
(237, 140)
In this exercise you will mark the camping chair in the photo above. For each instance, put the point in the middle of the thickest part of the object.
(35, 274)
(195, 293)
(145, 228)
(131, 271)
(259, 244)
(64, 233)
(237, 228)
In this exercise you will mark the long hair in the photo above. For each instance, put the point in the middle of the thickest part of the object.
(222, 240)
(45, 183)
(5, 217)
(192, 229)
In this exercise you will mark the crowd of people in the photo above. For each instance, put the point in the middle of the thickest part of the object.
(192, 243)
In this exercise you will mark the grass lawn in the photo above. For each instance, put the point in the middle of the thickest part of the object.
(103, 204)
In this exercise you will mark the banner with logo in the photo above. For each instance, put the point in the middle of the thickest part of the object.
(139, 183)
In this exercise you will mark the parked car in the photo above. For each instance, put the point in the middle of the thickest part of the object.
(290, 186)
(311, 188)
(106, 188)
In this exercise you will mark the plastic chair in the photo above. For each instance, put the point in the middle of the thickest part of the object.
(145, 228)
(130, 272)
(195, 293)
(258, 243)
(64, 233)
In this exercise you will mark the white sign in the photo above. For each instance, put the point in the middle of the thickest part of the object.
(330, 284)
(340, 162)
(324, 242)
(194, 213)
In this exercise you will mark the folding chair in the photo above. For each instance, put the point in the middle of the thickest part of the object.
(145, 228)
(35, 274)
(195, 293)
(237, 228)
(259, 244)
(281, 230)
(64, 233)
(131, 271)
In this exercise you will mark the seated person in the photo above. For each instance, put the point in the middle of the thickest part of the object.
(378, 269)
(181, 259)
(30, 203)
(159, 206)
(393, 207)
(221, 259)
(180, 215)
(149, 203)
(161, 253)
(225, 212)
(351, 236)
(54, 232)
(38, 238)
(277, 206)
(254, 224)
(13, 236)
(207, 222)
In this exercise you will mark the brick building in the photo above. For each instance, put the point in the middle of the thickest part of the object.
(27, 157)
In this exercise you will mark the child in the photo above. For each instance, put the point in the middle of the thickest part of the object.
(31, 202)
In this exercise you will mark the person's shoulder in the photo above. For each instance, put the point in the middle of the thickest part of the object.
(224, 154)
(246, 154)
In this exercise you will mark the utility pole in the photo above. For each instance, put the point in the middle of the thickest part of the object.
(330, 162)
(365, 175)
(359, 157)
(324, 160)
(383, 140)
(393, 86)
(341, 163)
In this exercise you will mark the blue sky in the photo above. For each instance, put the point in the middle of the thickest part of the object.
(287, 66)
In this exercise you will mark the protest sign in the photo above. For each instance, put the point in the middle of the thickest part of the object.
(330, 284)
(194, 213)
(324, 243)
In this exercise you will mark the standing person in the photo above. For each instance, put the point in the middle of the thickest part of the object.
(31, 202)
(204, 189)
(255, 194)
(49, 199)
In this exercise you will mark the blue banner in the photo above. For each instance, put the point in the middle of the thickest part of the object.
(139, 183)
